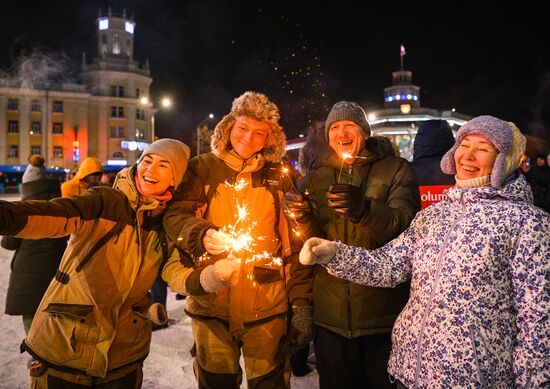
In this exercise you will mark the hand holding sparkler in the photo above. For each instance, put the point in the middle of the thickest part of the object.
(347, 199)
(216, 242)
(296, 206)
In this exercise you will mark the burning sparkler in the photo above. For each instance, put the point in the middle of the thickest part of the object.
(237, 237)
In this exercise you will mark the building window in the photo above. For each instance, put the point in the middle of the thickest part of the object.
(128, 46)
(139, 93)
(13, 151)
(35, 106)
(57, 128)
(58, 152)
(57, 106)
(104, 44)
(140, 133)
(117, 112)
(118, 154)
(117, 132)
(13, 126)
(13, 104)
(140, 114)
(36, 128)
(117, 91)
(116, 44)
(36, 150)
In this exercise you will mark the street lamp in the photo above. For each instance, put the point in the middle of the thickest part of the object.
(166, 102)
(199, 127)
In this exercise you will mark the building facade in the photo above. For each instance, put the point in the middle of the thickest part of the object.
(107, 114)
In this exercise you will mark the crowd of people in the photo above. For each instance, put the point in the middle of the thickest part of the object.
(422, 274)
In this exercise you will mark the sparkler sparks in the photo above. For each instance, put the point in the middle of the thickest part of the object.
(238, 238)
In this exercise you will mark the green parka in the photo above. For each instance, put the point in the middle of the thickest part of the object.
(92, 318)
(390, 184)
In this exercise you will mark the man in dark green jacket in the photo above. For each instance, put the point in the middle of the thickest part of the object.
(364, 196)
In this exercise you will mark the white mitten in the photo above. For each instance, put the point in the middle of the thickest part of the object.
(218, 275)
(317, 250)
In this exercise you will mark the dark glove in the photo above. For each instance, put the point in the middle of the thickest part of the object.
(301, 327)
(296, 206)
(347, 200)
(299, 334)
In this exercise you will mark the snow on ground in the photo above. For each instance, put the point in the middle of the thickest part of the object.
(168, 366)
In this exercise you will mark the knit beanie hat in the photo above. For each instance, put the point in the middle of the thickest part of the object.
(504, 136)
(347, 110)
(175, 152)
(35, 169)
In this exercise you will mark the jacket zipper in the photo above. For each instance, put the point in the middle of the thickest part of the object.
(346, 221)
(427, 310)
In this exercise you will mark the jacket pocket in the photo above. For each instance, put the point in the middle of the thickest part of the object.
(269, 290)
(264, 275)
(71, 324)
(483, 358)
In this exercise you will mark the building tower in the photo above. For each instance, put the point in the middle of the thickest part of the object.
(120, 114)
(403, 113)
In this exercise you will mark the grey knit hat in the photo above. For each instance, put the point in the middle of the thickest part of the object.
(347, 110)
(504, 136)
(176, 152)
(35, 169)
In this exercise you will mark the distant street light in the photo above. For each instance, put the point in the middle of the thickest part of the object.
(199, 127)
(166, 102)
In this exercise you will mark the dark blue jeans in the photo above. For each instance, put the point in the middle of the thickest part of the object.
(159, 291)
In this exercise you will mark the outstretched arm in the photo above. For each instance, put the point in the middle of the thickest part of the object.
(55, 218)
(385, 267)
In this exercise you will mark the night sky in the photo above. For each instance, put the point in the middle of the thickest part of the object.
(493, 60)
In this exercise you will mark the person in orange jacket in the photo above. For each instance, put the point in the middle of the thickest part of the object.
(88, 175)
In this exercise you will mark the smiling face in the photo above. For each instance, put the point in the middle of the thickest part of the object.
(155, 175)
(346, 137)
(248, 136)
(474, 157)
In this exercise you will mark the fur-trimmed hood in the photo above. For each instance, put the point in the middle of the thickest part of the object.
(258, 107)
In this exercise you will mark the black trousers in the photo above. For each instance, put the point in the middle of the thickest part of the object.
(357, 363)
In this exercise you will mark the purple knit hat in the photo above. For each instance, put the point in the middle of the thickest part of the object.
(504, 136)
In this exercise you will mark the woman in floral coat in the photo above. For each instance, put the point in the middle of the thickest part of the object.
(479, 263)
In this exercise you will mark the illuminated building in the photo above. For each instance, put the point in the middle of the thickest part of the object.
(106, 114)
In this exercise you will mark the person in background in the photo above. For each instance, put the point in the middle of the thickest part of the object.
(362, 194)
(35, 261)
(93, 325)
(433, 139)
(88, 175)
(479, 261)
(239, 304)
(539, 179)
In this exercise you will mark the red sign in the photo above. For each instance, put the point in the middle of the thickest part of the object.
(432, 194)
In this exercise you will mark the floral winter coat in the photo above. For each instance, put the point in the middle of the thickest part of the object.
(477, 315)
